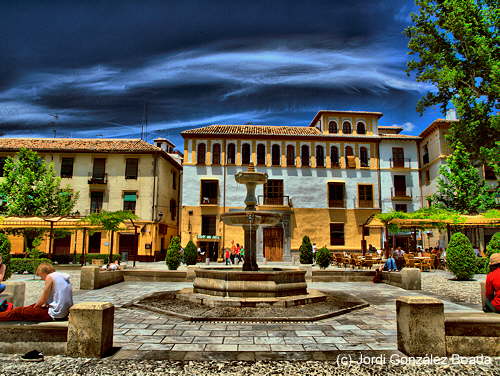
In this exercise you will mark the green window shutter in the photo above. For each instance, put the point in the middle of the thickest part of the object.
(130, 197)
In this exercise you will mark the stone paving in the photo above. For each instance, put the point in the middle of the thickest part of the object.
(372, 328)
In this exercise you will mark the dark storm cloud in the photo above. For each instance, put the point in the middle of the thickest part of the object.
(95, 64)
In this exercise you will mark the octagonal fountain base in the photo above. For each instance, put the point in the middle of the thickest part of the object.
(265, 283)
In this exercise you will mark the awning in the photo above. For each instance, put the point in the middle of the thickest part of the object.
(130, 197)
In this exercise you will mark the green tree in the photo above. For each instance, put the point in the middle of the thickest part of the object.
(460, 257)
(306, 251)
(461, 188)
(110, 221)
(5, 253)
(173, 259)
(494, 245)
(454, 45)
(31, 188)
(190, 253)
(323, 258)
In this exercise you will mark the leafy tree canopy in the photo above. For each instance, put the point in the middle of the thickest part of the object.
(454, 45)
(460, 187)
(109, 221)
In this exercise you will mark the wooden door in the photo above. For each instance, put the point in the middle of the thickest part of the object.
(62, 246)
(273, 243)
(128, 243)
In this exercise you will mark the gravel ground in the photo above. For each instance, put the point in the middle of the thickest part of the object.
(66, 366)
(440, 283)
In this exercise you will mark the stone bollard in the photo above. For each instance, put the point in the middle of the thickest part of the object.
(90, 330)
(411, 279)
(88, 277)
(190, 274)
(15, 292)
(308, 269)
(420, 323)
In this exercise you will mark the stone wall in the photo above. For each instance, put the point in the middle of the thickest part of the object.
(92, 278)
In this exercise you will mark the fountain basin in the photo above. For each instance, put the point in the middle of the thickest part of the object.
(271, 283)
(242, 218)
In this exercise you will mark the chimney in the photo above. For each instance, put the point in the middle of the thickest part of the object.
(165, 145)
(451, 114)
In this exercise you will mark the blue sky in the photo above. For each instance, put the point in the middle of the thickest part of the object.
(94, 64)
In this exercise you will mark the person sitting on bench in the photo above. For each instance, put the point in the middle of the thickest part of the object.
(492, 303)
(54, 302)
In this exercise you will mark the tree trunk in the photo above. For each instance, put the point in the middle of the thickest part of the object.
(110, 260)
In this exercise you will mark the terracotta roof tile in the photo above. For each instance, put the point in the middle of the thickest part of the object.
(78, 145)
(254, 130)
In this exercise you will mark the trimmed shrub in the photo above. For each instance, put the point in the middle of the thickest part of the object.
(482, 265)
(323, 258)
(460, 257)
(306, 251)
(27, 265)
(174, 257)
(5, 252)
(494, 245)
(190, 254)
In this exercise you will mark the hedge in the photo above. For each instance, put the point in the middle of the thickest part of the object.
(5, 252)
(71, 258)
(20, 266)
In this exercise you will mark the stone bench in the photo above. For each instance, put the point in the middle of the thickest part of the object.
(14, 293)
(407, 278)
(88, 333)
(424, 329)
(92, 277)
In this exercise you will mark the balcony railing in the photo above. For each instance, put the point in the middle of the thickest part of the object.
(209, 201)
(350, 161)
(275, 200)
(98, 179)
(365, 204)
(400, 162)
(401, 193)
(336, 203)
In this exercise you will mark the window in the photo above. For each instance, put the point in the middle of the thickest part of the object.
(336, 195)
(398, 157)
(96, 199)
(304, 155)
(245, 154)
(209, 192)
(360, 128)
(346, 127)
(401, 208)
(425, 157)
(337, 234)
(208, 224)
(365, 194)
(366, 231)
(67, 168)
(131, 168)
(200, 153)
(334, 156)
(332, 127)
(173, 209)
(174, 180)
(99, 169)
(95, 242)
(290, 156)
(2, 164)
(363, 156)
(275, 155)
(320, 156)
(350, 160)
(231, 154)
(273, 192)
(129, 201)
(261, 154)
(216, 154)
(489, 173)
(400, 185)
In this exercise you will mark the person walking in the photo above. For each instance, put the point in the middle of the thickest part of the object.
(227, 256)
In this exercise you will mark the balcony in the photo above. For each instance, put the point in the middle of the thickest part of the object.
(336, 203)
(400, 162)
(275, 200)
(401, 194)
(350, 161)
(98, 179)
(209, 201)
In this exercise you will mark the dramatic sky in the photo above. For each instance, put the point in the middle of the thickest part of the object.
(86, 68)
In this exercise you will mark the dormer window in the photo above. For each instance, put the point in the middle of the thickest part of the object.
(332, 127)
(346, 128)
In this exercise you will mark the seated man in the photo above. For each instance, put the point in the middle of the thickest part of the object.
(54, 302)
(492, 303)
(390, 264)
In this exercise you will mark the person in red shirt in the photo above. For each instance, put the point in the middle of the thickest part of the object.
(493, 285)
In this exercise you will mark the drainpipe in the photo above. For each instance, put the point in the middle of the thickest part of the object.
(155, 198)
(380, 189)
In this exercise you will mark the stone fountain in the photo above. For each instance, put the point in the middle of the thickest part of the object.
(250, 282)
